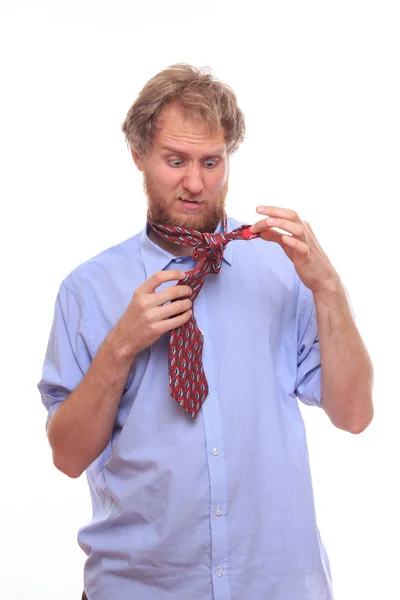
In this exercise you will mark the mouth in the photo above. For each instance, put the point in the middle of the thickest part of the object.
(190, 204)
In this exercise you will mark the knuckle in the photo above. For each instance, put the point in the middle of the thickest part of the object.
(147, 317)
(152, 328)
(160, 276)
(184, 304)
(301, 230)
(141, 302)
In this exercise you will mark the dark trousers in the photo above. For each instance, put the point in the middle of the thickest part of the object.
(84, 597)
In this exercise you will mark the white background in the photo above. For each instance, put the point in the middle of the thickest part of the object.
(319, 85)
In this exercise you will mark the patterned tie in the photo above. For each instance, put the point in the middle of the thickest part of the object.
(187, 380)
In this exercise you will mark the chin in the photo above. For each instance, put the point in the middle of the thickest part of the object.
(203, 223)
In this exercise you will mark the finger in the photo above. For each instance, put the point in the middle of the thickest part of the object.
(170, 294)
(296, 229)
(172, 309)
(157, 279)
(270, 235)
(174, 322)
(296, 244)
(276, 211)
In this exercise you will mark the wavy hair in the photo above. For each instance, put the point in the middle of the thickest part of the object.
(200, 97)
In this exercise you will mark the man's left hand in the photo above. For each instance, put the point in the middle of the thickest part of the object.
(302, 247)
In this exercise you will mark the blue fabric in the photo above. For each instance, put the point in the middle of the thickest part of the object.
(214, 508)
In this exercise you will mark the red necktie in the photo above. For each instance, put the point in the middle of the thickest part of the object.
(187, 380)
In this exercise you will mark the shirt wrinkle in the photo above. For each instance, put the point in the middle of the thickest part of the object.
(220, 507)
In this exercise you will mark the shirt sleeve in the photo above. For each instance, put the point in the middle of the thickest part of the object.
(67, 356)
(308, 382)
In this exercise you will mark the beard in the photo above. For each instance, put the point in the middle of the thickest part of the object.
(160, 211)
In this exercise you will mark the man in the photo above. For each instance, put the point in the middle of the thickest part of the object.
(174, 366)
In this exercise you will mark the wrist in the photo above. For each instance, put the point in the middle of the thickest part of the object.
(330, 288)
(332, 300)
(122, 349)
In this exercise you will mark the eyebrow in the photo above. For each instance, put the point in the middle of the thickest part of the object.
(182, 153)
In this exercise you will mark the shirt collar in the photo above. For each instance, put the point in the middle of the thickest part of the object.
(156, 259)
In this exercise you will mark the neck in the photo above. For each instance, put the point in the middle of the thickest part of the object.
(174, 249)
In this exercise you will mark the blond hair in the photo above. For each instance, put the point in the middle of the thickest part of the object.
(199, 96)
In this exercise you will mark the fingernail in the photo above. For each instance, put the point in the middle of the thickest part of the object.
(260, 209)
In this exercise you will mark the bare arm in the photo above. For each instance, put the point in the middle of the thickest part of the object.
(347, 372)
(81, 427)
(79, 430)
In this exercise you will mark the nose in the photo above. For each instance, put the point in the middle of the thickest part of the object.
(193, 181)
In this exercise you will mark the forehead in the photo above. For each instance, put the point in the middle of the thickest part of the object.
(173, 129)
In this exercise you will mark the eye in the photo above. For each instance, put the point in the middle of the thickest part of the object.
(210, 163)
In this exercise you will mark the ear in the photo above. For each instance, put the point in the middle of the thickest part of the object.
(137, 159)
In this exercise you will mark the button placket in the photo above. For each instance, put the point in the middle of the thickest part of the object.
(213, 426)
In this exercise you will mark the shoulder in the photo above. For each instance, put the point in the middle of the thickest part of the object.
(105, 264)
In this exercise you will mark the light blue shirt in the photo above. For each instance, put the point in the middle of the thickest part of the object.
(219, 507)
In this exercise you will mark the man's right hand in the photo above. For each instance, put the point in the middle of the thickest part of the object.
(82, 426)
(148, 316)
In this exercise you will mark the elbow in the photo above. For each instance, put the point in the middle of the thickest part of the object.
(66, 467)
(63, 459)
(359, 427)
(354, 417)
(367, 412)
(352, 425)
(362, 424)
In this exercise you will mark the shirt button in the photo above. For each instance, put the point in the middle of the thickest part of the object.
(218, 511)
(219, 572)
(215, 451)
(178, 260)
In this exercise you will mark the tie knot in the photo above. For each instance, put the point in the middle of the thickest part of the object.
(211, 249)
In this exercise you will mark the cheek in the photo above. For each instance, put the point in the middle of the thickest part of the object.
(217, 180)
(168, 178)
(163, 177)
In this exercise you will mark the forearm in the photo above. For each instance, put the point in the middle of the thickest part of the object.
(81, 427)
(347, 372)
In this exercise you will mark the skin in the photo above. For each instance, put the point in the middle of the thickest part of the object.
(300, 245)
(197, 168)
(347, 399)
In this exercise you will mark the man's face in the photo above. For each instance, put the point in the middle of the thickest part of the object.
(185, 163)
